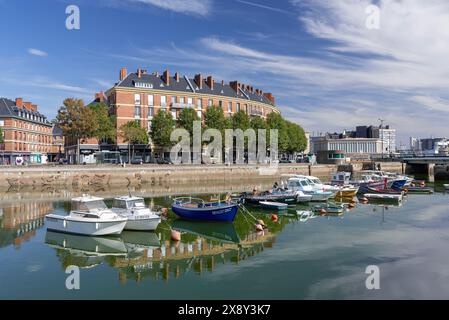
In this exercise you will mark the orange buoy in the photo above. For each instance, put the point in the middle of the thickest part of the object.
(175, 235)
(259, 227)
(323, 211)
(274, 218)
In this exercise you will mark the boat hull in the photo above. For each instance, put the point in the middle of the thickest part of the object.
(149, 224)
(273, 205)
(95, 227)
(218, 213)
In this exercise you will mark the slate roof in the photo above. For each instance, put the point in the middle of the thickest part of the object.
(8, 109)
(182, 85)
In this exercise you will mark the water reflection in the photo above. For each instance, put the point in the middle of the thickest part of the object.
(19, 221)
(137, 255)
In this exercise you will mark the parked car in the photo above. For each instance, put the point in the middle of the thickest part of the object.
(137, 160)
(284, 160)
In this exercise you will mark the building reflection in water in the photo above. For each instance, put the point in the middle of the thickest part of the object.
(19, 221)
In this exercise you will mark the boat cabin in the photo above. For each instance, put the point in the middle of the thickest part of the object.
(88, 203)
(128, 203)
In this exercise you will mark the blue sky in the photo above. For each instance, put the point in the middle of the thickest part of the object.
(327, 70)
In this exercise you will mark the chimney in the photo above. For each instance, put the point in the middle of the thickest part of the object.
(210, 82)
(19, 102)
(99, 96)
(167, 77)
(199, 80)
(269, 96)
(235, 85)
(123, 73)
(177, 77)
(222, 83)
(139, 73)
(34, 107)
(248, 87)
(257, 91)
(156, 73)
(27, 105)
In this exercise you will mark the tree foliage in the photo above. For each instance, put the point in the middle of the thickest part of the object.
(106, 124)
(76, 120)
(275, 121)
(162, 127)
(240, 120)
(186, 118)
(2, 140)
(133, 133)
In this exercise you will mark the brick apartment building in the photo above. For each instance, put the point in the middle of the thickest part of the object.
(140, 95)
(28, 136)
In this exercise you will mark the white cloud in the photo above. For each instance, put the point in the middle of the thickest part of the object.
(434, 104)
(37, 52)
(196, 7)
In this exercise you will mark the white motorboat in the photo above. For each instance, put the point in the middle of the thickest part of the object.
(303, 184)
(140, 217)
(446, 186)
(89, 216)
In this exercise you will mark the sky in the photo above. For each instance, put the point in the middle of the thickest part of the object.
(327, 68)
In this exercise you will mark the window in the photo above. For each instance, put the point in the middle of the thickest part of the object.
(2, 123)
(199, 103)
(220, 104)
(173, 100)
(150, 100)
(150, 112)
(150, 125)
(190, 102)
(246, 108)
(199, 113)
(174, 114)
(210, 103)
(137, 111)
(137, 98)
(238, 106)
(230, 107)
(163, 101)
(182, 101)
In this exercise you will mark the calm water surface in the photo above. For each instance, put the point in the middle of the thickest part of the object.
(322, 258)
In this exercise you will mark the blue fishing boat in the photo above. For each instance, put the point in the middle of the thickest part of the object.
(197, 209)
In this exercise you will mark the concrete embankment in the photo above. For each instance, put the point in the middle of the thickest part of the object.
(102, 175)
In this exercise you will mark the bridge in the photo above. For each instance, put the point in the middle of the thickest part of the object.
(426, 162)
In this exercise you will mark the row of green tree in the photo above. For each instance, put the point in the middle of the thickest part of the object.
(79, 122)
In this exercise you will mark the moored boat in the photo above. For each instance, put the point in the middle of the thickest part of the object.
(273, 205)
(140, 217)
(328, 208)
(197, 209)
(446, 186)
(303, 184)
(419, 190)
(384, 197)
(275, 196)
(347, 192)
(89, 216)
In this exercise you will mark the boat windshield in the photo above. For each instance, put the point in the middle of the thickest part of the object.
(123, 204)
(88, 205)
(316, 181)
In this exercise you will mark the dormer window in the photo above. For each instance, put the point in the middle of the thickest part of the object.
(144, 85)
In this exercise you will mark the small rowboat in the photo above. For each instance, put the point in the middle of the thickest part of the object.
(328, 208)
(418, 190)
(386, 196)
(285, 197)
(273, 205)
(196, 209)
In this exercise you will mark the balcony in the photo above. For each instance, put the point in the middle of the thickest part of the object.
(177, 105)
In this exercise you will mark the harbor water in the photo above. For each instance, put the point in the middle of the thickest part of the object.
(321, 258)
